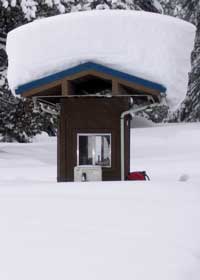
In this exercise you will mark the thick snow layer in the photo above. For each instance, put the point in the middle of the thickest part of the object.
(105, 230)
(150, 46)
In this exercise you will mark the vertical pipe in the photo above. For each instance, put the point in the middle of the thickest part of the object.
(126, 113)
(122, 148)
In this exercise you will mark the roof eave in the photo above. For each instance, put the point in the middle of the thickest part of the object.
(85, 67)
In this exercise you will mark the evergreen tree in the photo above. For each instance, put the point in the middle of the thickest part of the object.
(190, 108)
(173, 8)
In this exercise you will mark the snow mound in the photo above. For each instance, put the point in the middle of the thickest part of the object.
(139, 121)
(151, 46)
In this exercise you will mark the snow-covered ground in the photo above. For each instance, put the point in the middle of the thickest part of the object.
(105, 230)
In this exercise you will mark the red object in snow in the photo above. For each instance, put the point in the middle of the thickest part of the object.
(138, 176)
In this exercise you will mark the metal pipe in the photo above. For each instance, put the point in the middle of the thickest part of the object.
(126, 113)
(132, 113)
(49, 111)
(36, 101)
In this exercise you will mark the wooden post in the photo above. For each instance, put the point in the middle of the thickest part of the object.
(67, 88)
(64, 87)
(115, 87)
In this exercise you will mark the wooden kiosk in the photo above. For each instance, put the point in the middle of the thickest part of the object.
(92, 100)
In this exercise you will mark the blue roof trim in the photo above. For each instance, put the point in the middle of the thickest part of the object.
(89, 66)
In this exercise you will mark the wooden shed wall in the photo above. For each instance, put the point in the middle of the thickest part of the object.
(91, 115)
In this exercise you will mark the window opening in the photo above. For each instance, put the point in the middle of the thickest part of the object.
(94, 149)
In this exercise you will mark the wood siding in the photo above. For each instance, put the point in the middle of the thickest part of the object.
(91, 115)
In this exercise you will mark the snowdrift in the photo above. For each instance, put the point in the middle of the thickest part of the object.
(150, 46)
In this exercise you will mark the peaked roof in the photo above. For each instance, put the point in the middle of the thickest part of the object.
(85, 67)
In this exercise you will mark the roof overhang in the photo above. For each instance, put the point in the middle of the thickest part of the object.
(85, 67)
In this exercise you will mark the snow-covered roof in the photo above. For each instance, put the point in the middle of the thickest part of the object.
(150, 46)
